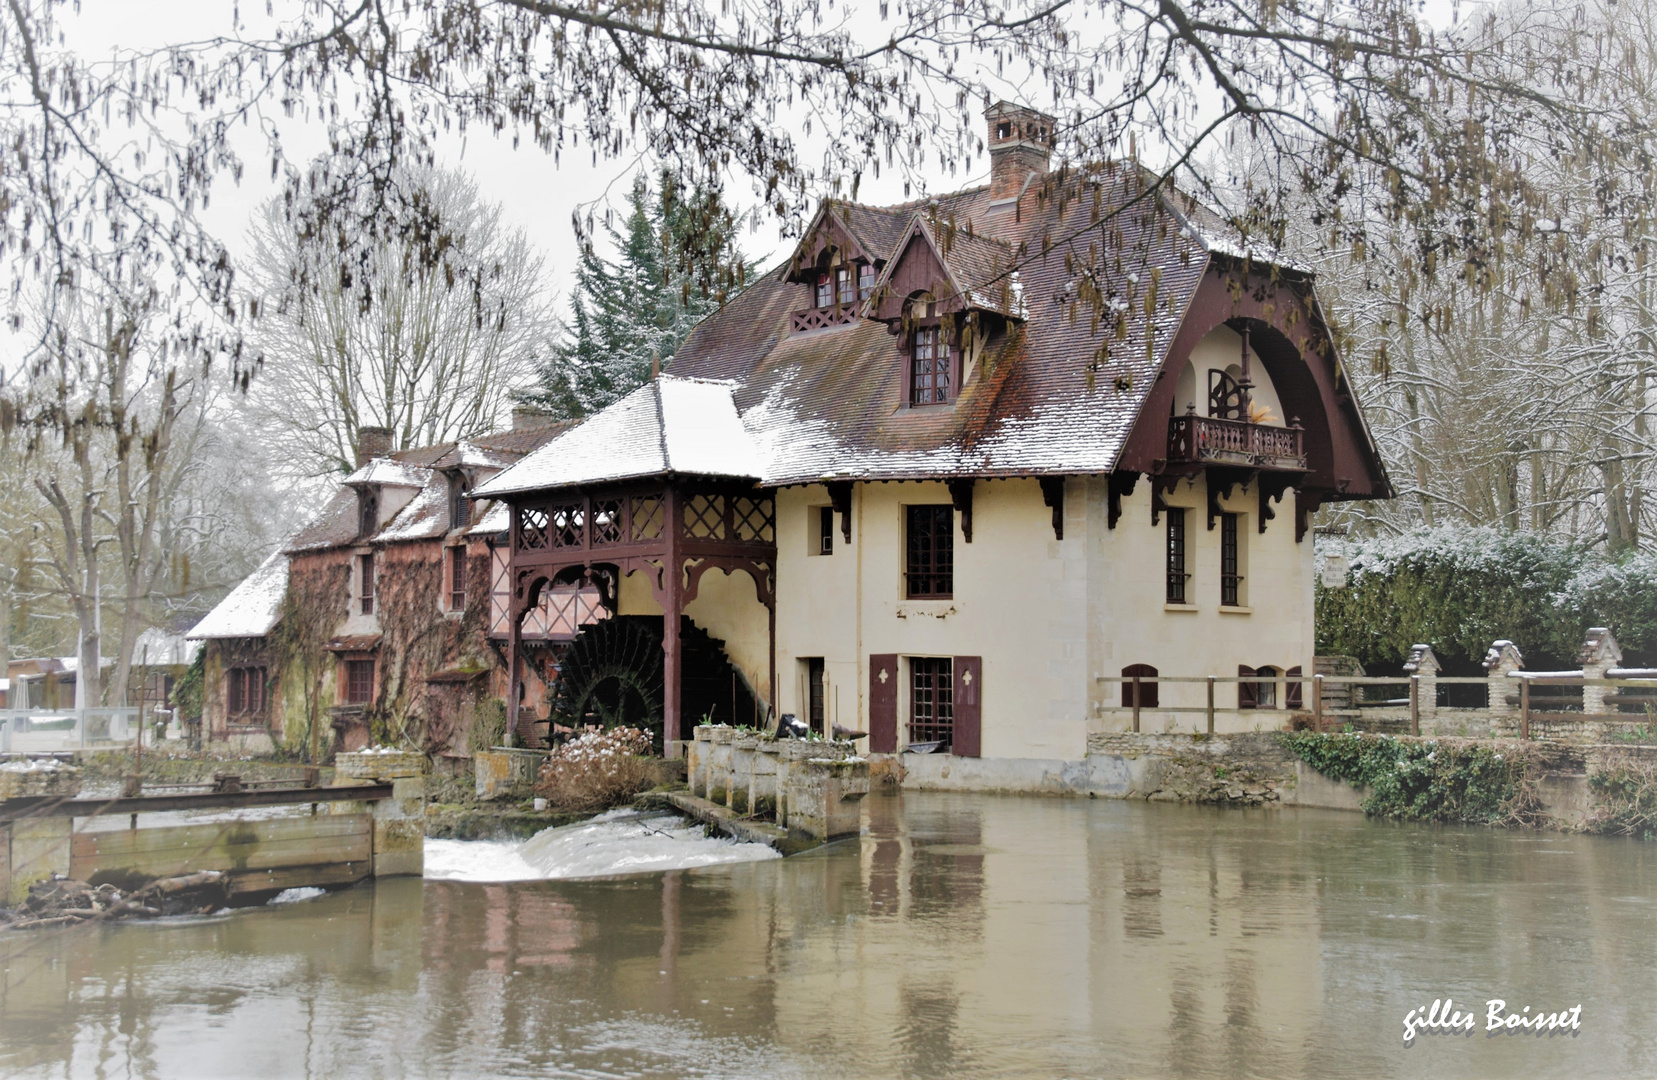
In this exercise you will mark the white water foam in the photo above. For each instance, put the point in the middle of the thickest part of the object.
(620, 842)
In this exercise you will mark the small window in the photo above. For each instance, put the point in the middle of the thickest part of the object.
(929, 367)
(815, 693)
(1147, 690)
(1265, 691)
(931, 552)
(1177, 575)
(845, 286)
(825, 290)
(359, 682)
(460, 507)
(365, 582)
(931, 699)
(368, 519)
(823, 528)
(1003, 130)
(1230, 578)
(245, 690)
(457, 579)
(865, 280)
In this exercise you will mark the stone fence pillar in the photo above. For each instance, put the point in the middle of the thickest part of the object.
(1502, 660)
(696, 767)
(718, 769)
(1422, 662)
(1599, 654)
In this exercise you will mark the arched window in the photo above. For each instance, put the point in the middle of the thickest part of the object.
(1260, 689)
(1147, 690)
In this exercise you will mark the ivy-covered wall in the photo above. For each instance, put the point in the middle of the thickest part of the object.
(1458, 589)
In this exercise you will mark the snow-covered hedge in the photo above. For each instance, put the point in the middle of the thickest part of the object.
(1459, 588)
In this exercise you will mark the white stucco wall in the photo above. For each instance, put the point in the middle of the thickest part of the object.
(1046, 616)
(1221, 350)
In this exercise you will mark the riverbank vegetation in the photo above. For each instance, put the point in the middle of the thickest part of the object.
(1445, 780)
(598, 771)
(1461, 588)
(1624, 791)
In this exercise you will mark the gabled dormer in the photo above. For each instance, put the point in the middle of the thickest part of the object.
(383, 486)
(945, 293)
(840, 259)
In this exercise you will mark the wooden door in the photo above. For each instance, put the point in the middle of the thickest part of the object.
(883, 703)
(969, 713)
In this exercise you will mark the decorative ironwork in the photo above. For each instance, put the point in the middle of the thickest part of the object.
(647, 513)
(753, 519)
(1226, 399)
(819, 318)
(607, 524)
(705, 517)
(569, 522)
(532, 528)
(1202, 439)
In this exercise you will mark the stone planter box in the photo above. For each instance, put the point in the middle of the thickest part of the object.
(505, 772)
(718, 770)
(379, 765)
(743, 752)
(30, 779)
(824, 796)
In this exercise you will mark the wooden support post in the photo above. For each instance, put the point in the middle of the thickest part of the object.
(1136, 703)
(1524, 708)
(1211, 704)
(1415, 704)
(1317, 703)
(673, 568)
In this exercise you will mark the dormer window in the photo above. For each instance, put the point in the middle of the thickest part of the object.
(929, 367)
(368, 513)
(825, 289)
(865, 280)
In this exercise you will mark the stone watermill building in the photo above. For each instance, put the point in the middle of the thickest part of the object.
(954, 460)
(931, 478)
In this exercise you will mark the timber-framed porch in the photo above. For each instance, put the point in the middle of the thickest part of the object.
(673, 529)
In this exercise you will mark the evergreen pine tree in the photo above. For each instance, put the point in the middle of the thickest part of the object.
(677, 261)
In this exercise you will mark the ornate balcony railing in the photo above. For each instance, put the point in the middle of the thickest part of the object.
(1207, 440)
(818, 318)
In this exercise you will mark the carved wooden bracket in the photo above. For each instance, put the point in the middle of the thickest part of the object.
(960, 493)
(840, 494)
(1159, 486)
(1220, 483)
(1052, 493)
(1272, 487)
(1306, 504)
(1121, 486)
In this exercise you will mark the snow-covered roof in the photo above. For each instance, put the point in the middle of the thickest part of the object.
(252, 607)
(669, 425)
(387, 471)
(158, 648)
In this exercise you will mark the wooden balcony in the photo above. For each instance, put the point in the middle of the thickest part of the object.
(819, 318)
(1208, 440)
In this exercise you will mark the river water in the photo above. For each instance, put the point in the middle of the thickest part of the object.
(960, 937)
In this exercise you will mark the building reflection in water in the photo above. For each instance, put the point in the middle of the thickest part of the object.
(960, 936)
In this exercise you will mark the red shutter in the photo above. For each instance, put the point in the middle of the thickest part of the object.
(883, 703)
(969, 712)
(1294, 691)
(1246, 696)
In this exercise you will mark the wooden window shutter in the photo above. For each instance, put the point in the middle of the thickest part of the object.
(883, 703)
(969, 712)
(1247, 697)
(1293, 691)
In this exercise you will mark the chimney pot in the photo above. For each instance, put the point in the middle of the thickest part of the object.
(372, 442)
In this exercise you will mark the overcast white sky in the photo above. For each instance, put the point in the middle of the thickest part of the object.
(537, 194)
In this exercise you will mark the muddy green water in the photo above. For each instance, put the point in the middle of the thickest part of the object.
(961, 937)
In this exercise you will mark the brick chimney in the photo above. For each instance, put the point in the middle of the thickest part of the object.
(528, 418)
(372, 442)
(1021, 144)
